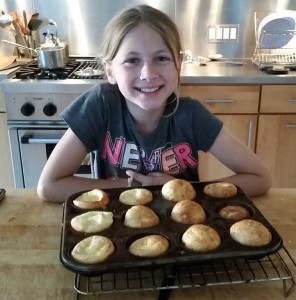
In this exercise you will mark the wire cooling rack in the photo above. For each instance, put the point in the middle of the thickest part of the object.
(279, 266)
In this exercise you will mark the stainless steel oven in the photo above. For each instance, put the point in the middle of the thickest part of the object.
(34, 100)
(31, 148)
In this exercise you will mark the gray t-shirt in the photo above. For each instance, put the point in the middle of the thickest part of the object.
(102, 122)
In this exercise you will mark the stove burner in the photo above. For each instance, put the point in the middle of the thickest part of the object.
(32, 70)
(54, 74)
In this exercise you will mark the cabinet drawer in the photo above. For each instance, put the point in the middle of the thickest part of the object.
(278, 99)
(225, 99)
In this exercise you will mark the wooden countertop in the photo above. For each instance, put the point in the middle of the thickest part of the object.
(29, 252)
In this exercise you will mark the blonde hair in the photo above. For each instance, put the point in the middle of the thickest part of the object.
(125, 21)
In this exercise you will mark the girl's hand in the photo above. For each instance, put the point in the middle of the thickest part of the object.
(154, 178)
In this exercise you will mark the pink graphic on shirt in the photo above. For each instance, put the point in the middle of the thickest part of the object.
(168, 159)
(177, 158)
(112, 152)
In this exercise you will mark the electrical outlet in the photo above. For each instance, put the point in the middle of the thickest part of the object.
(226, 33)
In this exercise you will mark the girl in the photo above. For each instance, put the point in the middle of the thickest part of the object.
(136, 125)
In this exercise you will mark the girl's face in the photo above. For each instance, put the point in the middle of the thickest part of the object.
(144, 69)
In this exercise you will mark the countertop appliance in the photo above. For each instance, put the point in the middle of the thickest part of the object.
(275, 34)
(34, 100)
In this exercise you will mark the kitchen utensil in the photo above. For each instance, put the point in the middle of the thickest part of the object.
(25, 19)
(35, 15)
(234, 62)
(6, 61)
(15, 17)
(48, 57)
(5, 20)
(52, 22)
(18, 45)
(21, 40)
(34, 24)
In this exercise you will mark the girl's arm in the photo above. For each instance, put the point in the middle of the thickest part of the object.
(250, 172)
(57, 181)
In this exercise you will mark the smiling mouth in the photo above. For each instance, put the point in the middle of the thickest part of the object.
(149, 90)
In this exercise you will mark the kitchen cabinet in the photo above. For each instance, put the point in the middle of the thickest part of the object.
(235, 99)
(244, 128)
(278, 99)
(276, 142)
(263, 117)
(237, 107)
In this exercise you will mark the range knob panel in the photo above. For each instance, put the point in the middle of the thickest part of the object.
(49, 109)
(27, 109)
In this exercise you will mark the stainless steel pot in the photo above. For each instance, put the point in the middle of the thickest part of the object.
(50, 57)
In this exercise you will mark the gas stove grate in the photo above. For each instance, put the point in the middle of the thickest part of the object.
(95, 67)
(275, 267)
(32, 71)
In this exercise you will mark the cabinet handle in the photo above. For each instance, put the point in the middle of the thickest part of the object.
(290, 125)
(292, 100)
(250, 130)
(219, 100)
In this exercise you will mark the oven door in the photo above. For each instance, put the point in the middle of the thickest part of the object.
(35, 147)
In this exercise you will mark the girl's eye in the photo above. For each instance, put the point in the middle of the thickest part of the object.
(132, 60)
(162, 58)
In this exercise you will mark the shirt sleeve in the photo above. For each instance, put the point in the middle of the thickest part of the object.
(205, 125)
(86, 117)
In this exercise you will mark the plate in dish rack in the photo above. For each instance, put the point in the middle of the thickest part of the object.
(276, 31)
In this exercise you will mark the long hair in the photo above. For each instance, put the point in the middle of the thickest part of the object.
(124, 21)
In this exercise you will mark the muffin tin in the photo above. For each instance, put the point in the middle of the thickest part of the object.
(123, 236)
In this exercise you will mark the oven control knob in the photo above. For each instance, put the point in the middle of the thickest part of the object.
(27, 109)
(49, 109)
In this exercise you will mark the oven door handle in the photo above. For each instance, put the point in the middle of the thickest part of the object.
(30, 139)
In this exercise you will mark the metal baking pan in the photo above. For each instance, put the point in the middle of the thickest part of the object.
(177, 253)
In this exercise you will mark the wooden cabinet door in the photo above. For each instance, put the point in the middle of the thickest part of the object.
(276, 144)
(6, 178)
(244, 128)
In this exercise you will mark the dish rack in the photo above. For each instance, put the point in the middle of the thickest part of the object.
(275, 48)
(276, 58)
(279, 266)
